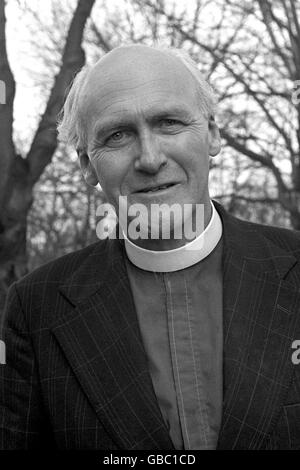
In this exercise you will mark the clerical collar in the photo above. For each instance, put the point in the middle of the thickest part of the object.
(178, 258)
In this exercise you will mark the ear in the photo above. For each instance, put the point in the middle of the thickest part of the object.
(214, 137)
(87, 169)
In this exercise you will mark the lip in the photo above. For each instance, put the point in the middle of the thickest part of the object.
(151, 190)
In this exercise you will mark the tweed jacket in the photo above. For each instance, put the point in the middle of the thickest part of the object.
(76, 374)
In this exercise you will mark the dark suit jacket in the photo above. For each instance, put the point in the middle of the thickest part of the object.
(76, 375)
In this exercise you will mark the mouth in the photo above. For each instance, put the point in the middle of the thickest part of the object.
(156, 189)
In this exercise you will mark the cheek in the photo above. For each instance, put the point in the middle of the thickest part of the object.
(189, 150)
(198, 143)
(110, 172)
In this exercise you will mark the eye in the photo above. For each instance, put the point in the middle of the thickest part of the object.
(116, 136)
(169, 122)
(169, 125)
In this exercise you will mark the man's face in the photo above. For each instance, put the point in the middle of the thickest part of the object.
(147, 137)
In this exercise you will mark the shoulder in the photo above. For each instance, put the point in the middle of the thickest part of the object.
(287, 239)
(59, 269)
(37, 294)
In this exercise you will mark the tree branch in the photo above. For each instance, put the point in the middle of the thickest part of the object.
(45, 139)
(263, 200)
(267, 14)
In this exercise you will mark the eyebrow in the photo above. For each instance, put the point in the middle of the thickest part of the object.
(106, 124)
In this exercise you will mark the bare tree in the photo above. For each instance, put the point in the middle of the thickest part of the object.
(19, 175)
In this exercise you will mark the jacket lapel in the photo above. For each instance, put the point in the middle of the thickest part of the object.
(102, 342)
(260, 317)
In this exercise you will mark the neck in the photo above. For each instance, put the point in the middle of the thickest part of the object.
(172, 243)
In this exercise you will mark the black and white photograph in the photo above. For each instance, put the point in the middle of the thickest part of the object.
(149, 227)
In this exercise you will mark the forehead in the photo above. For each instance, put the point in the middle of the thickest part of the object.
(137, 81)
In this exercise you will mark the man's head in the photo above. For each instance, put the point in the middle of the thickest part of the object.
(142, 118)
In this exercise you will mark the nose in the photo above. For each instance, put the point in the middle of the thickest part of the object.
(150, 156)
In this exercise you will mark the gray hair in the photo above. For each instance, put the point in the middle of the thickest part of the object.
(69, 126)
(72, 131)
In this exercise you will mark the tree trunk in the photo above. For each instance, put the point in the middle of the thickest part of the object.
(13, 258)
(295, 221)
(13, 223)
(18, 175)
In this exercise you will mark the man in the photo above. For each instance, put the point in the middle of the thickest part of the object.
(155, 342)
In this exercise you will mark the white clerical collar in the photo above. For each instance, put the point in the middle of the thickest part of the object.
(178, 258)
